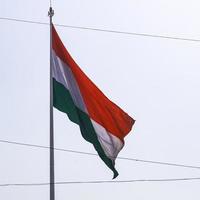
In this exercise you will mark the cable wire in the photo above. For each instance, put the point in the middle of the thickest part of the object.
(100, 182)
(104, 30)
(93, 154)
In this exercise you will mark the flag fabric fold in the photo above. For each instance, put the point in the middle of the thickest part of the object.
(101, 122)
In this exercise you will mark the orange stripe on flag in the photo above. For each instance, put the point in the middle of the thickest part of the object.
(99, 107)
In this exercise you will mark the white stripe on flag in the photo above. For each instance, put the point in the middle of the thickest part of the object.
(63, 74)
(110, 143)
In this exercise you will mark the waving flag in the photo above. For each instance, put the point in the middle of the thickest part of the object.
(101, 122)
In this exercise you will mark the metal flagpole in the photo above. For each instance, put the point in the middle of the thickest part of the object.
(52, 181)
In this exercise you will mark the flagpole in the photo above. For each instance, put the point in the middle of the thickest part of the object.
(52, 178)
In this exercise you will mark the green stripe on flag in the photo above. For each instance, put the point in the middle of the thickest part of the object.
(63, 101)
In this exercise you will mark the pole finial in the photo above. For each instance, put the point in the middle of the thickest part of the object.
(51, 12)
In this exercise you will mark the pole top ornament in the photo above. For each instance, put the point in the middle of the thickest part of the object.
(51, 12)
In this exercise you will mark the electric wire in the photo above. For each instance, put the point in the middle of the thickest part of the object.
(93, 154)
(99, 182)
(104, 30)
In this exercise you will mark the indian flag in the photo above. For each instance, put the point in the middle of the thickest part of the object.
(101, 122)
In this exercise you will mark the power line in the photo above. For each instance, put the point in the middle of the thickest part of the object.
(93, 154)
(104, 30)
(87, 153)
(23, 21)
(99, 182)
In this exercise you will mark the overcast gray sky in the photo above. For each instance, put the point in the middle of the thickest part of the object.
(155, 80)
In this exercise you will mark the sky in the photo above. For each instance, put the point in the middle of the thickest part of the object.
(155, 80)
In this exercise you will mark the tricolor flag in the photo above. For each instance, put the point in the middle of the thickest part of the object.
(101, 122)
